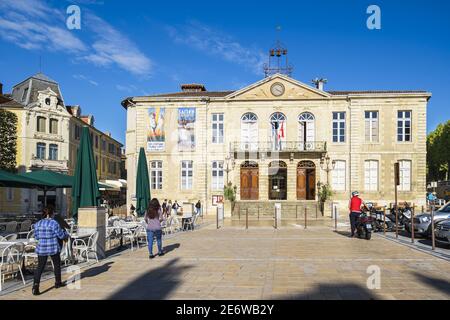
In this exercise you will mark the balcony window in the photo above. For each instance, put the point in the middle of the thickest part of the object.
(249, 132)
(278, 126)
(306, 134)
(217, 175)
(187, 174)
(338, 126)
(217, 128)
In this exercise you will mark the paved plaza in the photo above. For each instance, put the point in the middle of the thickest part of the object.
(262, 263)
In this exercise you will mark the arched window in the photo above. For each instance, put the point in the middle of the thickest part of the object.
(278, 136)
(306, 131)
(249, 132)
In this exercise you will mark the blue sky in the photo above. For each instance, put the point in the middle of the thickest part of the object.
(127, 48)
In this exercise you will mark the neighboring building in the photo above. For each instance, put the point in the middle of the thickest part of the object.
(48, 139)
(272, 139)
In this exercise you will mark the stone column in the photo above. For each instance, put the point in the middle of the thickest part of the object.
(291, 181)
(90, 220)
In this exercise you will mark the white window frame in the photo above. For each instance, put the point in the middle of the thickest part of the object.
(340, 125)
(50, 148)
(405, 175)
(156, 174)
(372, 123)
(217, 175)
(187, 174)
(217, 126)
(249, 132)
(402, 121)
(339, 176)
(371, 175)
(43, 152)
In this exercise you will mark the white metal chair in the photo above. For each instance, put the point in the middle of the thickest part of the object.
(11, 237)
(10, 227)
(11, 262)
(129, 235)
(189, 224)
(86, 248)
(25, 226)
(140, 234)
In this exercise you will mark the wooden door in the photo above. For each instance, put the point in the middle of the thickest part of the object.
(311, 190)
(249, 184)
(301, 184)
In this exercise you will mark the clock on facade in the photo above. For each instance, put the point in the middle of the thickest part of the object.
(277, 89)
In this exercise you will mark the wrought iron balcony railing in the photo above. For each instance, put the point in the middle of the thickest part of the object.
(282, 146)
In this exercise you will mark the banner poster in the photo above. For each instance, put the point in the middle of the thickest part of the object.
(186, 129)
(156, 136)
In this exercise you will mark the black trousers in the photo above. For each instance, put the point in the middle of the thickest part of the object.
(42, 261)
(353, 219)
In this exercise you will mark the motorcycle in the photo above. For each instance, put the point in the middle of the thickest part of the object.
(379, 221)
(404, 215)
(364, 226)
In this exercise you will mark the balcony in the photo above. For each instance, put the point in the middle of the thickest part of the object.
(284, 146)
(46, 164)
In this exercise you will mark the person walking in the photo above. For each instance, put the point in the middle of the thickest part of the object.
(153, 219)
(164, 208)
(198, 207)
(47, 231)
(175, 207)
(355, 206)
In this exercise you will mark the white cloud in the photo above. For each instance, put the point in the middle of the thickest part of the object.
(210, 41)
(126, 88)
(32, 25)
(84, 78)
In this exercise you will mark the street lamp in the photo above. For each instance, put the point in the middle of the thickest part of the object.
(325, 165)
(228, 169)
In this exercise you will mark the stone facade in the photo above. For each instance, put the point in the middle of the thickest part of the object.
(282, 95)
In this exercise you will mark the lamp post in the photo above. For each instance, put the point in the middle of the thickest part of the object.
(227, 168)
(325, 165)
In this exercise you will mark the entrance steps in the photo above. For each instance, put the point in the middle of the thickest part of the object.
(266, 209)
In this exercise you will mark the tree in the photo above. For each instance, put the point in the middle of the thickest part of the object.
(8, 140)
(438, 153)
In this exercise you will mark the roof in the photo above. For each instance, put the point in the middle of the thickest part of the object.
(340, 93)
(43, 77)
(7, 102)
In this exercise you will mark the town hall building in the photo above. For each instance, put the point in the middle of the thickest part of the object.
(277, 140)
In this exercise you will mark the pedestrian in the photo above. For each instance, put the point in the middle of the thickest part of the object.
(175, 208)
(153, 219)
(198, 207)
(132, 209)
(355, 205)
(164, 207)
(47, 231)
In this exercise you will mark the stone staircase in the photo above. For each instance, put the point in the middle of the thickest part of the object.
(265, 210)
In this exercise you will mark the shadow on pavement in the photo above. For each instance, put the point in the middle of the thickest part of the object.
(345, 291)
(439, 284)
(153, 285)
(92, 272)
(171, 247)
(343, 233)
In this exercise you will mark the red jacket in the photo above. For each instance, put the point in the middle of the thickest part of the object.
(355, 204)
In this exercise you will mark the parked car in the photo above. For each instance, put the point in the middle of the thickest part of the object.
(422, 222)
(442, 232)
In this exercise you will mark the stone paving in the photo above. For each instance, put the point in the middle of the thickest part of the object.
(262, 263)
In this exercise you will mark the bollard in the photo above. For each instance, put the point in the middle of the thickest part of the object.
(413, 211)
(396, 220)
(296, 212)
(217, 217)
(433, 240)
(258, 213)
(239, 213)
(422, 210)
(306, 218)
(275, 217)
(384, 220)
(246, 219)
(335, 218)
(316, 212)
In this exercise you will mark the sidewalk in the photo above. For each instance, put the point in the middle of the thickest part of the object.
(262, 263)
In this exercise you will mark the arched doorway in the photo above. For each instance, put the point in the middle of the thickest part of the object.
(277, 180)
(249, 181)
(306, 180)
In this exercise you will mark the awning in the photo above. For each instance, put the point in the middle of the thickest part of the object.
(57, 180)
(11, 180)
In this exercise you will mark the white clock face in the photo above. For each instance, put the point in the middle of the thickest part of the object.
(277, 89)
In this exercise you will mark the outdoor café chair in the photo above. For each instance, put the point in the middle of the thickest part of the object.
(11, 262)
(130, 235)
(11, 237)
(10, 227)
(140, 234)
(86, 248)
(25, 226)
(190, 223)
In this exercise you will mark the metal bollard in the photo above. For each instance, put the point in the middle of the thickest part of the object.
(296, 212)
(306, 218)
(246, 218)
(275, 217)
(433, 240)
(384, 220)
(258, 213)
(316, 212)
(413, 211)
(335, 218)
(217, 217)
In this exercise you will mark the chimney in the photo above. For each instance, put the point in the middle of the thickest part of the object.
(1, 88)
(193, 87)
(319, 83)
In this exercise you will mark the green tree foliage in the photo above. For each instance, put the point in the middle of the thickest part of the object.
(438, 153)
(8, 140)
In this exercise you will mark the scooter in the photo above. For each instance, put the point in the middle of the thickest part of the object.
(364, 226)
(379, 221)
(403, 214)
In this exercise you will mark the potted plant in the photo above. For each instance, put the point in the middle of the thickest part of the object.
(229, 193)
(325, 193)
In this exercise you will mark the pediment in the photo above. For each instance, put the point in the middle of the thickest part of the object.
(293, 90)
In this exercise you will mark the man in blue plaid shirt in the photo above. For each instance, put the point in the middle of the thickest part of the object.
(47, 231)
